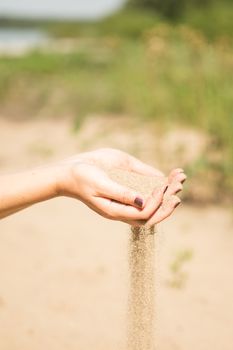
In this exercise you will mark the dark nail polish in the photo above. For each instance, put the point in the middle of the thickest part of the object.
(165, 189)
(176, 205)
(139, 202)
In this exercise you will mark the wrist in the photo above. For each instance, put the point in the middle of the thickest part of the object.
(51, 179)
(47, 180)
(63, 179)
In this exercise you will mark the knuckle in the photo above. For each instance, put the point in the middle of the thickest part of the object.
(125, 196)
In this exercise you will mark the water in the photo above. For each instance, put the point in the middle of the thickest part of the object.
(30, 36)
(16, 41)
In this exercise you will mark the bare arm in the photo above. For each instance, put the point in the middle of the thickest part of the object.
(82, 178)
(21, 190)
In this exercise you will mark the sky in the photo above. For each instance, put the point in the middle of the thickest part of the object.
(58, 8)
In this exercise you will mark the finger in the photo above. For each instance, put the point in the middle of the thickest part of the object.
(115, 210)
(174, 188)
(180, 177)
(144, 169)
(164, 211)
(126, 213)
(153, 202)
(114, 191)
(174, 173)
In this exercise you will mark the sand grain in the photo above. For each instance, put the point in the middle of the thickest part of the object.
(140, 335)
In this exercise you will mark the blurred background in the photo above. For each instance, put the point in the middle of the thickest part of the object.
(153, 78)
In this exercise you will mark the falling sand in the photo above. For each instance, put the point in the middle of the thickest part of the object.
(140, 335)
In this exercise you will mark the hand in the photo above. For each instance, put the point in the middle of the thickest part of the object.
(85, 179)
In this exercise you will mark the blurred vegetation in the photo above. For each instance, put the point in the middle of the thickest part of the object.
(178, 275)
(136, 63)
(171, 9)
(212, 17)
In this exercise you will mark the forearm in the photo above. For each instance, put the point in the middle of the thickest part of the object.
(19, 191)
(83, 177)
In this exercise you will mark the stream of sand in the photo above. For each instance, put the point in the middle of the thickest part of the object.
(140, 335)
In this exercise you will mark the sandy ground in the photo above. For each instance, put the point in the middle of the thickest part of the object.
(64, 270)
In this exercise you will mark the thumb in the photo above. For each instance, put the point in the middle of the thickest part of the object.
(125, 195)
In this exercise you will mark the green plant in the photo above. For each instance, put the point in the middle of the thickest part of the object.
(178, 275)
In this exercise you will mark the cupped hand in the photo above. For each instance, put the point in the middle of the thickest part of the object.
(85, 179)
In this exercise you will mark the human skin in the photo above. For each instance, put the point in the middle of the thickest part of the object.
(83, 177)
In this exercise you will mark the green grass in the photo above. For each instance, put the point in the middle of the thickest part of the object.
(214, 21)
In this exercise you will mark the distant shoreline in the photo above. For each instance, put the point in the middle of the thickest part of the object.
(18, 41)
(67, 10)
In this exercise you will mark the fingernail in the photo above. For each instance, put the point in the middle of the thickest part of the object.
(139, 202)
(165, 189)
(176, 205)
